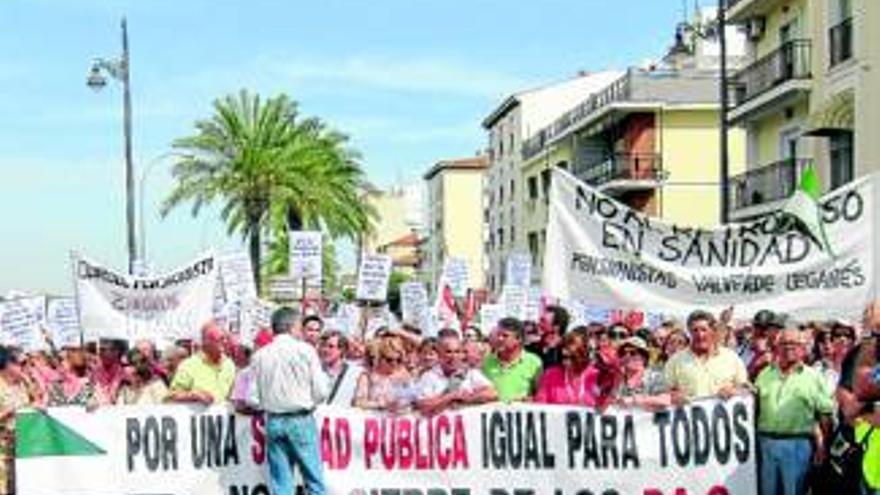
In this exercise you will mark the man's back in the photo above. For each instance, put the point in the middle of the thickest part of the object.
(288, 376)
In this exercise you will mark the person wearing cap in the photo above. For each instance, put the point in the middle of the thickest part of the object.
(288, 385)
(513, 371)
(765, 328)
(207, 376)
(795, 411)
(705, 368)
(639, 385)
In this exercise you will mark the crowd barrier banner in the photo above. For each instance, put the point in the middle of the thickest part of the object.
(170, 306)
(601, 252)
(705, 448)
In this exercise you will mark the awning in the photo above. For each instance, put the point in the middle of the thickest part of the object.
(836, 114)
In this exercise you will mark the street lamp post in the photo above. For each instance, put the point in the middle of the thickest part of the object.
(119, 70)
(724, 95)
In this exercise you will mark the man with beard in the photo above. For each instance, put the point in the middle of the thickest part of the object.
(552, 327)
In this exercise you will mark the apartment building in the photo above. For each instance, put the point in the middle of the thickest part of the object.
(511, 123)
(809, 94)
(455, 221)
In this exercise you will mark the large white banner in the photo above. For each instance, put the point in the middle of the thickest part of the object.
(170, 306)
(706, 448)
(602, 253)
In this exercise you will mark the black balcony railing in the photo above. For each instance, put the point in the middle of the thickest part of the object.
(841, 42)
(788, 62)
(730, 3)
(619, 90)
(766, 184)
(623, 166)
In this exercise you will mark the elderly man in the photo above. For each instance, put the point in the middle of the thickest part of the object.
(705, 368)
(207, 376)
(513, 371)
(288, 384)
(795, 411)
(452, 382)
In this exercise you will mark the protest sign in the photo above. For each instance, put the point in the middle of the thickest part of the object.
(514, 300)
(166, 307)
(373, 276)
(706, 448)
(414, 303)
(237, 276)
(518, 270)
(455, 275)
(533, 304)
(601, 251)
(21, 323)
(489, 316)
(62, 321)
(306, 259)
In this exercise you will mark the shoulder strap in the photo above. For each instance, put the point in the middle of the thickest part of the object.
(338, 381)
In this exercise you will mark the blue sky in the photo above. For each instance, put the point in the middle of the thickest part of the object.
(409, 80)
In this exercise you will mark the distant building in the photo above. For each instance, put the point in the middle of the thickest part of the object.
(455, 226)
(399, 225)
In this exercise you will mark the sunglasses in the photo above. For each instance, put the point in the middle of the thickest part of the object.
(390, 360)
(629, 352)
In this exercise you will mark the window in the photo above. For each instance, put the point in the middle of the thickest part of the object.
(841, 150)
(545, 183)
(512, 189)
(500, 238)
(533, 187)
(534, 247)
(501, 195)
(563, 165)
(511, 142)
(512, 234)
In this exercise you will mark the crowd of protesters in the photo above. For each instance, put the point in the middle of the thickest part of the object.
(815, 383)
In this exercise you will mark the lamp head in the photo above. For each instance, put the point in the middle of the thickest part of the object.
(95, 79)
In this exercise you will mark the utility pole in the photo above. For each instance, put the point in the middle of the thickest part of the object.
(723, 145)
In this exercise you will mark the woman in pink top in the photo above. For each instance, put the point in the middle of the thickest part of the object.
(575, 380)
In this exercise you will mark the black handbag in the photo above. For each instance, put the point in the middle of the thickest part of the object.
(841, 474)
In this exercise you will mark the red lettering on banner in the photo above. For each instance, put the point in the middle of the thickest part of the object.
(371, 441)
(258, 434)
(405, 447)
(336, 443)
(715, 490)
(416, 443)
(718, 490)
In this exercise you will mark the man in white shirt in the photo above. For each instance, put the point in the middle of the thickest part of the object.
(452, 383)
(288, 384)
(342, 375)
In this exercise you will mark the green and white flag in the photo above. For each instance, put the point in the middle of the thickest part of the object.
(804, 210)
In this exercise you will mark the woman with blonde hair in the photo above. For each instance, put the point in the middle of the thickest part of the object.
(386, 384)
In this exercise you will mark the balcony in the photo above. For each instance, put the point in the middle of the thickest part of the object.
(773, 79)
(841, 42)
(758, 190)
(624, 171)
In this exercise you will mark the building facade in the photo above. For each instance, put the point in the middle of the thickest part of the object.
(399, 225)
(508, 126)
(455, 220)
(807, 96)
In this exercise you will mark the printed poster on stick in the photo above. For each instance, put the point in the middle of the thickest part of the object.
(373, 276)
(306, 258)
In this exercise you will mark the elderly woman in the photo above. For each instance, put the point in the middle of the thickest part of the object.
(675, 341)
(639, 386)
(575, 380)
(386, 384)
(14, 395)
(142, 385)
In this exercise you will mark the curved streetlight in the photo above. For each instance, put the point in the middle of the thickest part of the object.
(119, 69)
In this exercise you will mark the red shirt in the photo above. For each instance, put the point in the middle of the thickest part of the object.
(556, 387)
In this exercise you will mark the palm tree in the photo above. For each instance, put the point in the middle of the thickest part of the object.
(259, 160)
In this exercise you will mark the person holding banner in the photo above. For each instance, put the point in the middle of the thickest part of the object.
(74, 385)
(288, 384)
(794, 418)
(109, 373)
(207, 376)
(341, 373)
(141, 385)
(552, 326)
(640, 386)
(15, 394)
(573, 382)
(451, 383)
(705, 368)
(513, 371)
(384, 385)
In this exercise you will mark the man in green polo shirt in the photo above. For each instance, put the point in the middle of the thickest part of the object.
(513, 370)
(795, 408)
(205, 377)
